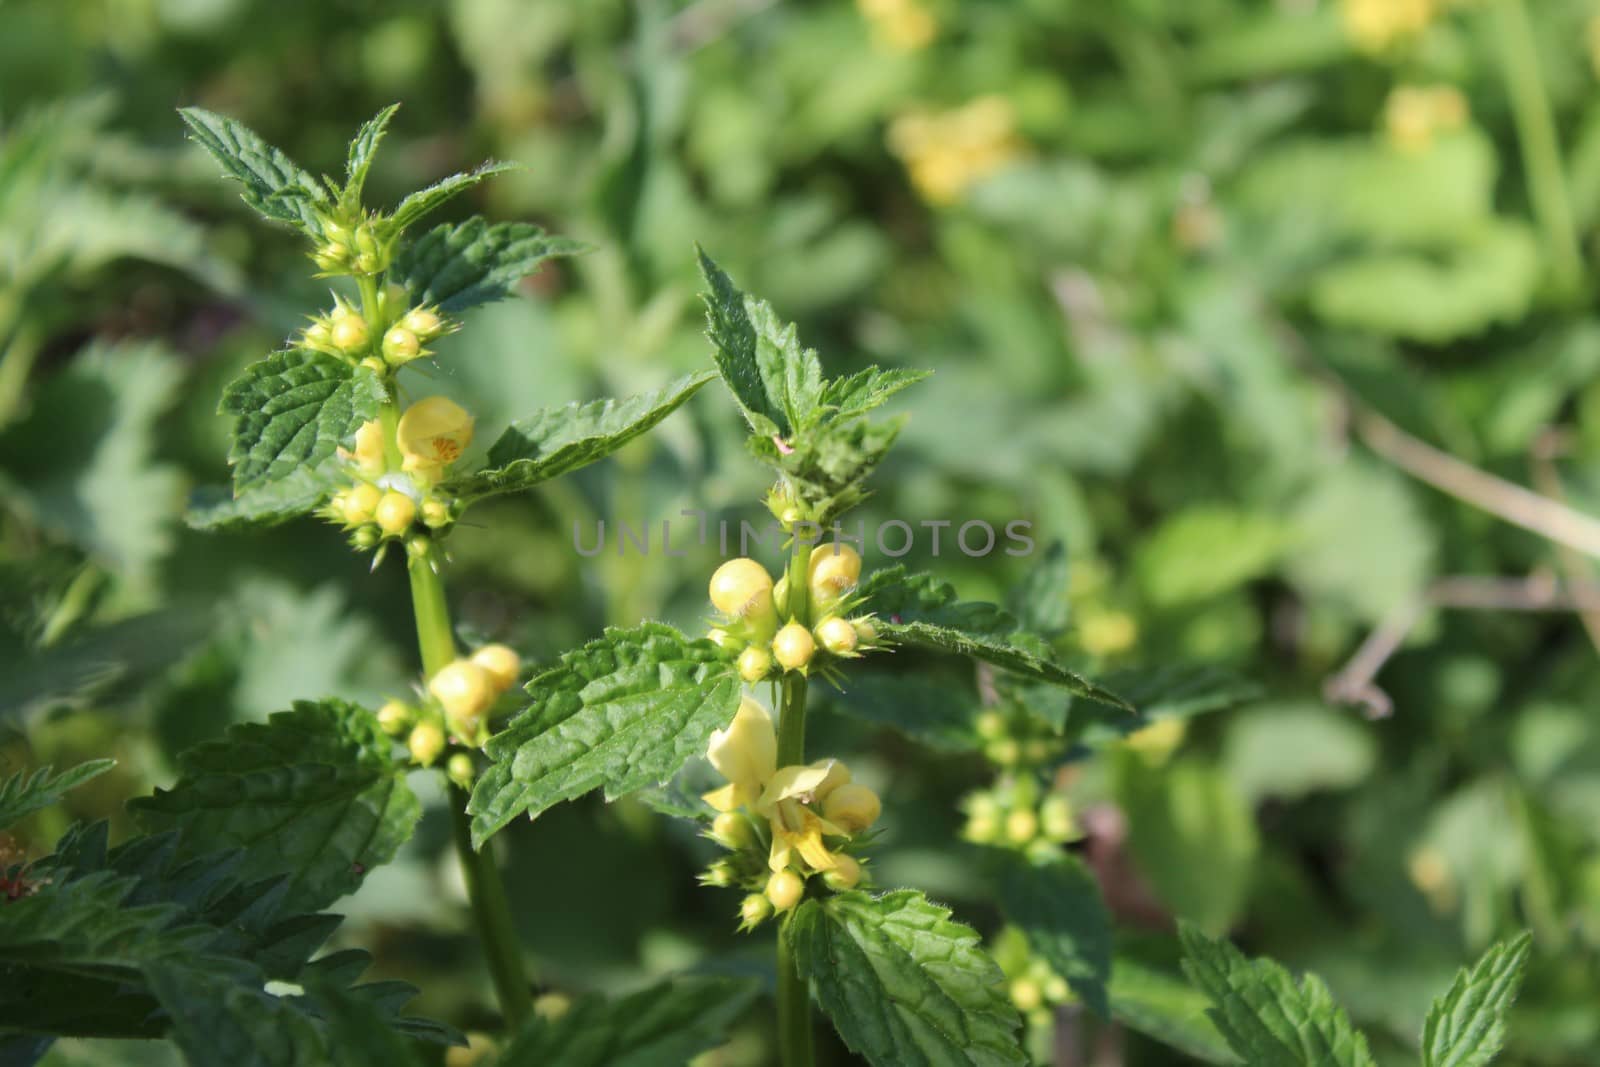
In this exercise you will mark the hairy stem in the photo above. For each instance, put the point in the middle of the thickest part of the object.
(491, 912)
(794, 999)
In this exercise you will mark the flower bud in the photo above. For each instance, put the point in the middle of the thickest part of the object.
(426, 742)
(1056, 819)
(1056, 990)
(331, 256)
(1007, 752)
(754, 910)
(793, 647)
(1026, 994)
(394, 513)
(435, 513)
(460, 769)
(780, 594)
(422, 322)
(396, 717)
(501, 663)
(400, 345)
(479, 1051)
(785, 889)
(755, 663)
(432, 434)
(836, 635)
(348, 332)
(1022, 825)
(991, 725)
(464, 690)
(720, 874)
(852, 807)
(866, 630)
(360, 503)
(982, 828)
(742, 588)
(833, 571)
(846, 873)
(731, 830)
(317, 335)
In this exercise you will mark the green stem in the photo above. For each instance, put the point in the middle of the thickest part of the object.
(491, 912)
(794, 999)
(1541, 150)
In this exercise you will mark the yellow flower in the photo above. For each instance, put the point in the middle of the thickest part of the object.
(369, 447)
(746, 754)
(899, 25)
(796, 829)
(947, 153)
(1414, 115)
(1376, 25)
(432, 434)
(853, 807)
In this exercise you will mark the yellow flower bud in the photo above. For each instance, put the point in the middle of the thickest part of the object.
(1056, 819)
(361, 503)
(731, 830)
(852, 807)
(742, 588)
(833, 571)
(422, 322)
(394, 513)
(464, 690)
(551, 1006)
(400, 345)
(366, 537)
(1056, 990)
(395, 717)
(755, 663)
(426, 742)
(720, 874)
(501, 663)
(991, 725)
(316, 335)
(331, 256)
(1026, 994)
(793, 647)
(435, 513)
(479, 1052)
(460, 769)
(982, 828)
(1022, 825)
(348, 332)
(432, 434)
(836, 635)
(369, 454)
(866, 630)
(846, 873)
(754, 910)
(785, 889)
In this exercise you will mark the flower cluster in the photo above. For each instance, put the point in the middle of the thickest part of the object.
(462, 694)
(353, 247)
(899, 25)
(1013, 814)
(1414, 115)
(397, 335)
(782, 824)
(1378, 25)
(948, 152)
(1034, 987)
(390, 497)
(752, 605)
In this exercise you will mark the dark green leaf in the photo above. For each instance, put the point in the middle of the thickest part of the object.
(778, 384)
(1167, 1009)
(1057, 906)
(1467, 1025)
(426, 200)
(904, 985)
(267, 504)
(23, 793)
(273, 184)
(1040, 601)
(459, 265)
(624, 711)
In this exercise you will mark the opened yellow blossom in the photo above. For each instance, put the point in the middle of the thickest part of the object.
(948, 152)
(899, 25)
(432, 434)
(746, 754)
(1377, 25)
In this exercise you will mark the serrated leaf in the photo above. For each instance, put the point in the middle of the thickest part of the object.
(1040, 602)
(1167, 691)
(623, 712)
(23, 793)
(295, 408)
(1266, 1018)
(932, 699)
(273, 183)
(904, 985)
(668, 1023)
(866, 390)
(1057, 906)
(556, 441)
(922, 611)
(314, 791)
(1167, 1009)
(271, 503)
(440, 192)
(459, 265)
(363, 147)
(1466, 1026)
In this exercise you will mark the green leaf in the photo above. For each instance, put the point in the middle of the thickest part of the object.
(314, 791)
(23, 794)
(268, 504)
(459, 265)
(625, 711)
(903, 984)
(1167, 1009)
(1205, 551)
(776, 382)
(426, 200)
(1288, 750)
(295, 408)
(1040, 601)
(866, 390)
(1267, 1019)
(671, 1022)
(922, 611)
(363, 147)
(556, 441)
(273, 183)
(1171, 690)
(1466, 1026)
(932, 699)
(1057, 906)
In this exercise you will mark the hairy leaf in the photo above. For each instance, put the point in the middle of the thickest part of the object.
(1467, 1025)
(314, 791)
(23, 794)
(556, 441)
(776, 382)
(625, 711)
(426, 200)
(1167, 1009)
(1268, 1019)
(904, 985)
(459, 265)
(295, 408)
(866, 390)
(267, 504)
(671, 1022)
(1057, 906)
(362, 149)
(273, 183)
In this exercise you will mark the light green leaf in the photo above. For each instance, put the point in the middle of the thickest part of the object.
(1290, 750)
(668, 1023)
(624, 711)
(1167, 1009)
(273, 183)
(267, 504)
(23, 793)
(1206, 551)
(1057, 906)
(1171, 690)
(1466, 1026)
(866, 390)
(921, 611)
(363, 147)
(459, 265)
(1267, 1019)
(557, 441)
(314, 791)
(426, 200)
(903, 984)
(1040, 601)
(295, 408)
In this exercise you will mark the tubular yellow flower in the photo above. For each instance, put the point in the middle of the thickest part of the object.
(432, 434)
(501, 663)
(796, 829)
(742, 588)
(852, 807)
(755, 663)
(369, 455)
(785, 889)
(793, 647)
(746, 754)
(846, 873)
(426, 743)
(395, 513)
(833, 571)
(836, 635)
(465, 691)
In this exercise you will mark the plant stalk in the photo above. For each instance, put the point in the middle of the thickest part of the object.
(794, 998)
